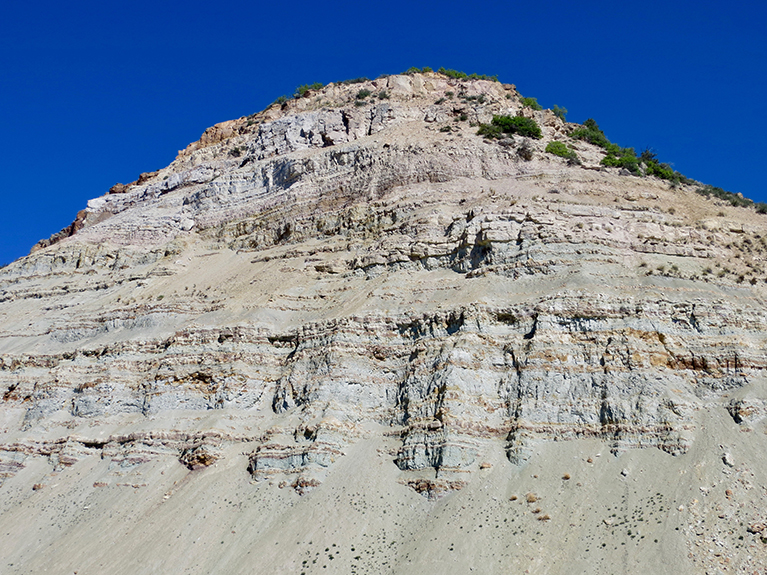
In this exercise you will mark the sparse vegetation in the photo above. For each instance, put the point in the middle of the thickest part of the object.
(562, 150)
(531, 103)
(510, 125)
(525, 151)
(560, 113)
(304, 89)
(464, 76)
(359, 80)
(733, 199)
(626, 158)
(362, 94)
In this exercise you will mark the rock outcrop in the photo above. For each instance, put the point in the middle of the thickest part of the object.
(342, 270)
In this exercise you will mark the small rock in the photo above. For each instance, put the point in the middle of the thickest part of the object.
(755, 528)
(625, 472)
(727, 460)
(37, 486)
(485, 465)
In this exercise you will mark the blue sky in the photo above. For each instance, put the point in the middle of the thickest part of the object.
(94, 93)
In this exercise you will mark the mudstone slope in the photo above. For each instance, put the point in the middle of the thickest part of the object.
(348, 333)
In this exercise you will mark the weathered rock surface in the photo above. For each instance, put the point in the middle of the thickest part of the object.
(339, 273)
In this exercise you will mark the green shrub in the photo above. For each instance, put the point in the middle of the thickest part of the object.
(622, 158)
(526, 153)
(560, 113)
(761, 207)
(304, 89)
(663, 171)
(489, 131)
(281, 100)
(560, 149)
(354, 81)
(479, 99)
(508, 125)
(446, 129)
(383, 95)
(453, 74)
(518, 125)
(591, 133)
(493, 78)
(733, 199)
(531, 103)
(416, 70)
(362, 94)
(464, 76)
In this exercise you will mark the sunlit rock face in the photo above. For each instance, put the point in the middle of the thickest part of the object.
(344, 270)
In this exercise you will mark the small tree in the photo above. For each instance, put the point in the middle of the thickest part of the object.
(559, 112)
(531, 103)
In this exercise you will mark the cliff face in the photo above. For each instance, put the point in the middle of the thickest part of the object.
(342, 273)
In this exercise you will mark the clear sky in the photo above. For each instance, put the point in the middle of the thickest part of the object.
(93, 92)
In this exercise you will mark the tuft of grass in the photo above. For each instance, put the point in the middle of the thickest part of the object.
(531, 497)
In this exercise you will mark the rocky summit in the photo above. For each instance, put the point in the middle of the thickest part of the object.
(383, 327)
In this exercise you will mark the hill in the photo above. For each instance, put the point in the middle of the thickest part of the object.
(403, 325)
